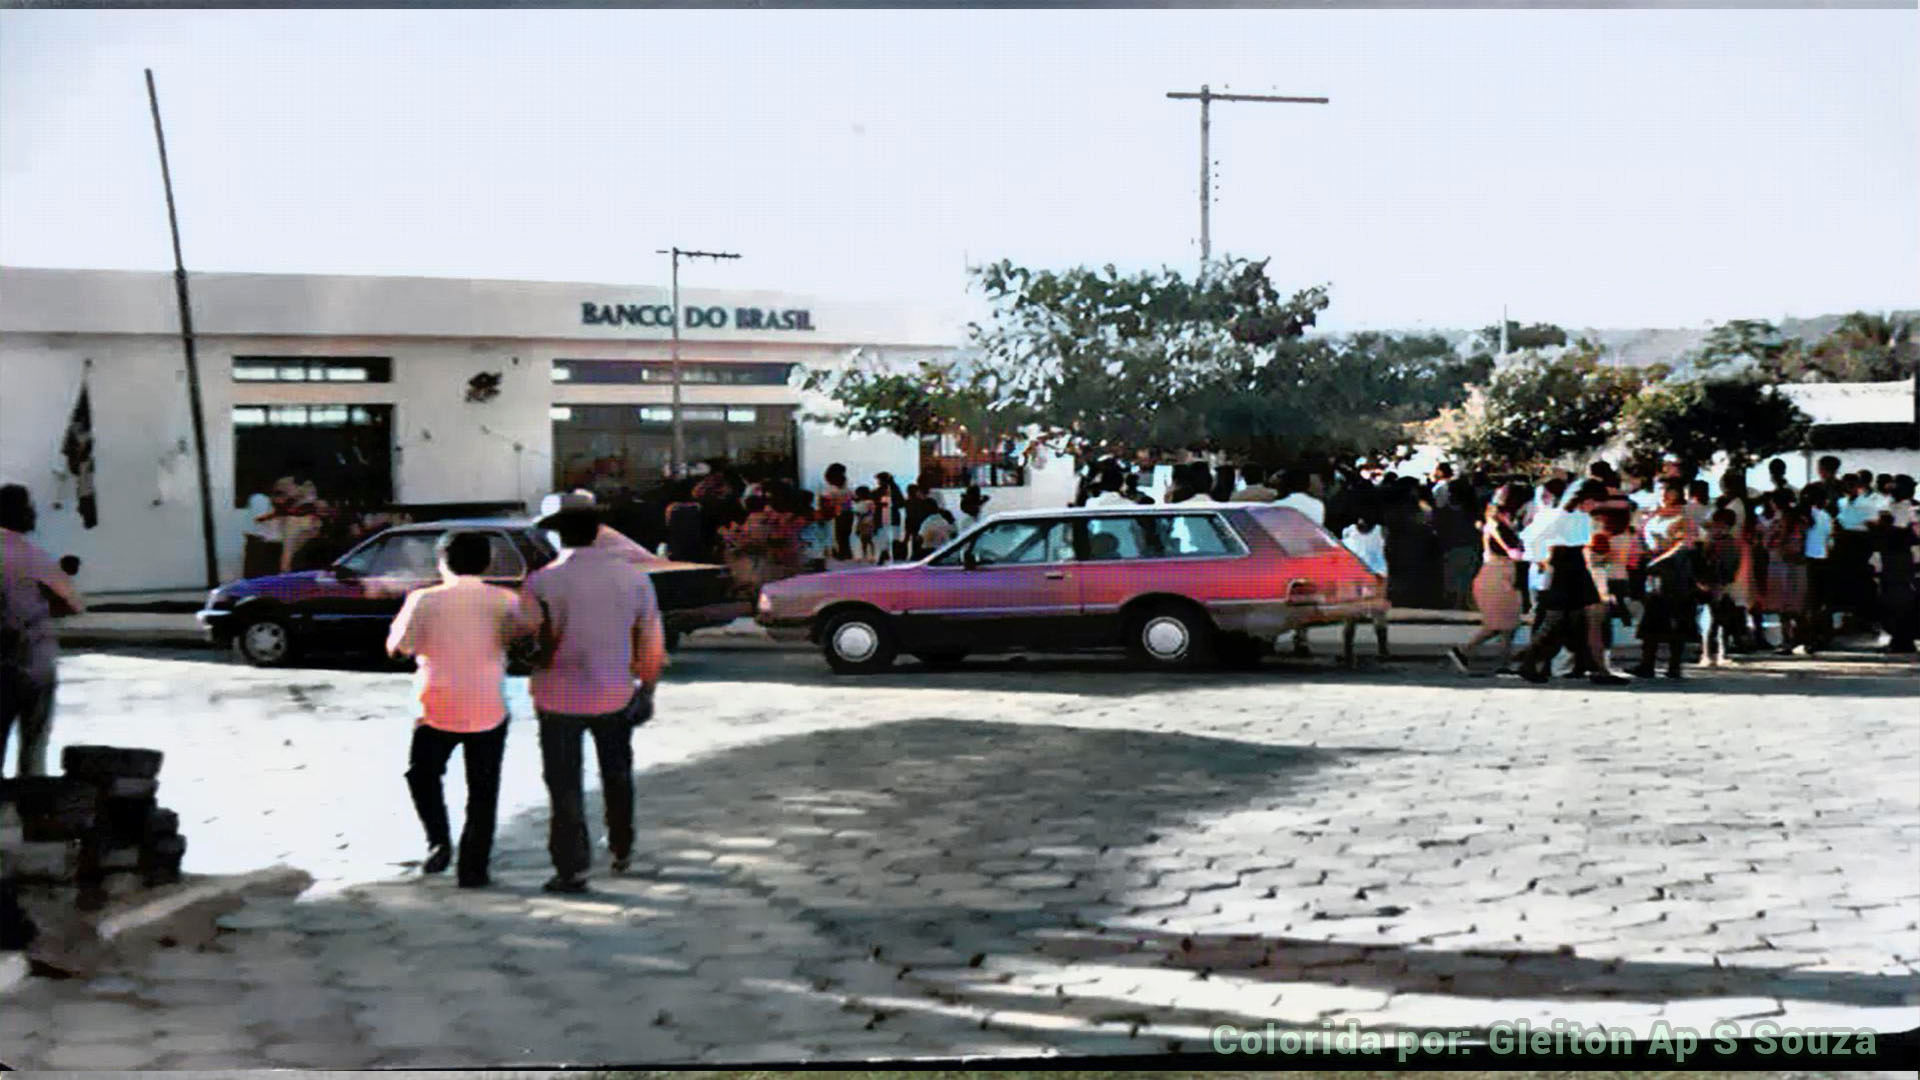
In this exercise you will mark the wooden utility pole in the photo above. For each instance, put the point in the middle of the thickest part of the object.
(679, 463)
(1207, 97)
(186, 340)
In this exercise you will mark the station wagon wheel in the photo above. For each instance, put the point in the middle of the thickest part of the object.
(1171, 636)
(265, 641)
(858, 642)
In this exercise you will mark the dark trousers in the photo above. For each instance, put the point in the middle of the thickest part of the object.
(28, 702)
(427, 764)
(1554, 628)
(561, 764)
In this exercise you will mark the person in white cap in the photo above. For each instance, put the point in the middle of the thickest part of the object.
(608, 539)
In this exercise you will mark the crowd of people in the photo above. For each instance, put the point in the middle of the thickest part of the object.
(1574, 558)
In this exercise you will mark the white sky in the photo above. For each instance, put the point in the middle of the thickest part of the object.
(1591, 168)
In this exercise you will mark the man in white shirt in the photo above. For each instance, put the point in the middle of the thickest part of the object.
(1570, 593)
(1820, 597)
(1294, 482)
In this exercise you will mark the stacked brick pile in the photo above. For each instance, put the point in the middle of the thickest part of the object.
(98, 827)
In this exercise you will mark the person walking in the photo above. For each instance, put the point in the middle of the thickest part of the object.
(1496, 587)
(34, 590)
(602, 649)
(1670, 612)
(836, 509)
(459, 632)
(1570, 592)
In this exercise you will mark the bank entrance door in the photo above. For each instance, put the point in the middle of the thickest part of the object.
(614, 447)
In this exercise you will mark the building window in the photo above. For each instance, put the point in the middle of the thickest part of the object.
(957, 460)
(660, 373)
(345, 450)
(610, 447)
(329, 369)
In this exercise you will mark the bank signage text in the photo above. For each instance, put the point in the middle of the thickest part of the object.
(695, 317)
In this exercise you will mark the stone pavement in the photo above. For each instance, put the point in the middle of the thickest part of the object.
(1017, 858)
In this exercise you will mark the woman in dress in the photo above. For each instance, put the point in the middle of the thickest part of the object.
(1783, 592)
(1669, 616)
(1496, 589)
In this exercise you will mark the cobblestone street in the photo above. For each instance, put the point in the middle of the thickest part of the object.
(1057, 855)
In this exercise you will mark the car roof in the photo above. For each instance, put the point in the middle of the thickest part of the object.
(464, 523)
(1135, 510)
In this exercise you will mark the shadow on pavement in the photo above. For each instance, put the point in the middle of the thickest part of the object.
(924, 887)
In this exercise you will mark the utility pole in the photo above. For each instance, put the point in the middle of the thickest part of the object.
(186, 339)
(1207, 97)
(679, 463)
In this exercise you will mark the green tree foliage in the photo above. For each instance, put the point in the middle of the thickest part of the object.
(1863, 348)
(1104, 363)
(1745, 417)
(1541, 409)
(1520, 338)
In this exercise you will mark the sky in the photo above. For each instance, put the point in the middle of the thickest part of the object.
(1596, 169)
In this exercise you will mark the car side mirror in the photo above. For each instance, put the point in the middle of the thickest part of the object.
(344, 572)
(969, 560)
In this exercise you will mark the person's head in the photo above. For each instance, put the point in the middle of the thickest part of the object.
(913, 491)
(1829, 467)
(1721, 522)
(863, 492)
(1850, 485)
(1782, 499)
(1699, 491)
(1587, 496)
(1903, 486)
(1460, 493)
(1670, 466)
(753, 504)
(1510, 499)
(1224, 476)
(1295, 481)
(465, 554)
(1814, 494)
(1443, 471)
(1252, 475)
(1601, 471)
(1555, 490)
(1732, 483)
(1883, 483)
(1673, 493)
(837, 474)
(1777, 470)
(576, 528)
(16, 509)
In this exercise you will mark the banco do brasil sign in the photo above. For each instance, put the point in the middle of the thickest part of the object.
(715, 317)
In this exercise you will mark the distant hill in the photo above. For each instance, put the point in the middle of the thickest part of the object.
(1644, 348)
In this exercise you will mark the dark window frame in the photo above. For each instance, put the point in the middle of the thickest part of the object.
(314, 369)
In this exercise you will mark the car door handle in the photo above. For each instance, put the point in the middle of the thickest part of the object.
(1056, 575)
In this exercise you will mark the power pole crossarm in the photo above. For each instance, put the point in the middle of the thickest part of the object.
(1206, 97)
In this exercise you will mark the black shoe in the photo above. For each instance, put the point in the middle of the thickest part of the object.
(1534, 675)
(621, 863)
(1606, 679)
(568, 886)
(469, 881)
(1675, 675)
(1459, 660)
(1641, 671)
(439, 857)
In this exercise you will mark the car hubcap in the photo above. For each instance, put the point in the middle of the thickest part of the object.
(266, 640)
(855, 642)
(1166, 638)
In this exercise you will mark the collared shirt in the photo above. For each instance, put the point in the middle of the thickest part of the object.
(1857, 513)
(1315, 510)
(591, 600)
(26, 569)
(459, 632)
(1819, 534)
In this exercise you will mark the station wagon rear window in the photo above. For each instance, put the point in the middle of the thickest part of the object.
(1159, 536)
(1296, 534)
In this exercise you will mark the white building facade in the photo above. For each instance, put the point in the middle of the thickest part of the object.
(367, 384)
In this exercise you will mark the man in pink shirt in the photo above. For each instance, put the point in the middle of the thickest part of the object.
(459, 631)
(600, 634)
(34, 591)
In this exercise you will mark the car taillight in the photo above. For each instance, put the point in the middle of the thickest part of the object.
(765, 604)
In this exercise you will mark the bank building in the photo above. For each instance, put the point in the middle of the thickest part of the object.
(427, 393)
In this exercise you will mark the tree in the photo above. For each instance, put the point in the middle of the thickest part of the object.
(1104, 364)
(1520, 338)
(1863, 348)
(1696, 418)
(1740, 345)
(1541, 409)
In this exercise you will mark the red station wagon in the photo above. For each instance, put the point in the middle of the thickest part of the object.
(1177, 586)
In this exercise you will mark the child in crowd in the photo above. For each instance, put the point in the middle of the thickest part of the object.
(1368, 542)
(866, 521)
(1720, 557)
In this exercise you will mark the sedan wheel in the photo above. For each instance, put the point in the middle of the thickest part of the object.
(858, 643)
(265, 642)
(1170, 637)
